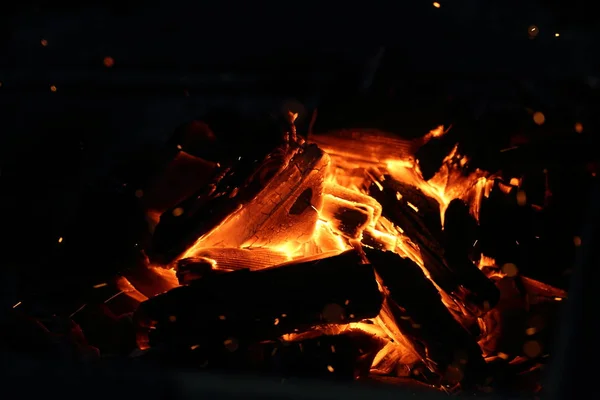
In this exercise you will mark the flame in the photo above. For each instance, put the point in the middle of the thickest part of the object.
(350, 167)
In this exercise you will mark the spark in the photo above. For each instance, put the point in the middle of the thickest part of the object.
(436, 4)
(578, 127)
(177, 212)
(533, 31)
(60, 239)
(78, 310)
(98, 286)
(557, 34)
(411, 205)
(44, 42)
(577, 241)
(330, 368)
(509, 149)
(113, 296)
(53, 88)
(222, 317)
(17, 305)
(276, 321)
(475, 243)
(194, 347)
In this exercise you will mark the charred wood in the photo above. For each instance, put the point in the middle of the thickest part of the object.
(417, 309)
(348, 219)
(373, 146)
(284, 211)
(246, 306)
(418, 216)
(268, 187)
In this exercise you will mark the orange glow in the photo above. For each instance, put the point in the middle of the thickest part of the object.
(109, 62)
(533, 31)
(44, 42)
(53, 88)
(60, 240)
(579, 127)
(436, 4)
(339, 214)
(539, 118)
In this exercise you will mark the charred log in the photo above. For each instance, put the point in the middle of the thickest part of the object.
(372, 146)
(232, 259)
(246, 306)
(418, 216)
(281, 175)
(417, 309)
(346, 218)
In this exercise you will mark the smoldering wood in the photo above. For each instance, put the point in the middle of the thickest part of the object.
(442, 343)
(420, 221)
(284, 212)
(194, 268)
(250, 258)
(365, 145)
(346, 218)
(354, 196)
(260, 305)
(232, 187)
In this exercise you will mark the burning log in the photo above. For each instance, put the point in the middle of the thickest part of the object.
(284, 212)
(217, 259)
(247, 306)
(418, 216)
(256, 209)
(346, 218)
(372, 146)
(416, 308)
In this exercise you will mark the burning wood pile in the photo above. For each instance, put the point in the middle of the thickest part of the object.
(333, 257)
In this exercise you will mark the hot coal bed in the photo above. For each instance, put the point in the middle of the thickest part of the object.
(329, 256)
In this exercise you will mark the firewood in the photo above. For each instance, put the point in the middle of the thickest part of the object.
(194, 268)
(252, 200)
(354, 196)
(235, 259)
(416, 308)
(371, 146)
(346, 218)
(261, 305)
(284, 212)
(418, 217)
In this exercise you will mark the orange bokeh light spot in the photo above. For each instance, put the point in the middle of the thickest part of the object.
(109, 62)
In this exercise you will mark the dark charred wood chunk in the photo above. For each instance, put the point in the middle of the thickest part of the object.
(418, 216)
(246, 306)
(443, 344)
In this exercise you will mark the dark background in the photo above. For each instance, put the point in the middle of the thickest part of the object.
(470, 63)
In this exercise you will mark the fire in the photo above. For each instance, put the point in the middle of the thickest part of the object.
(339, 212)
